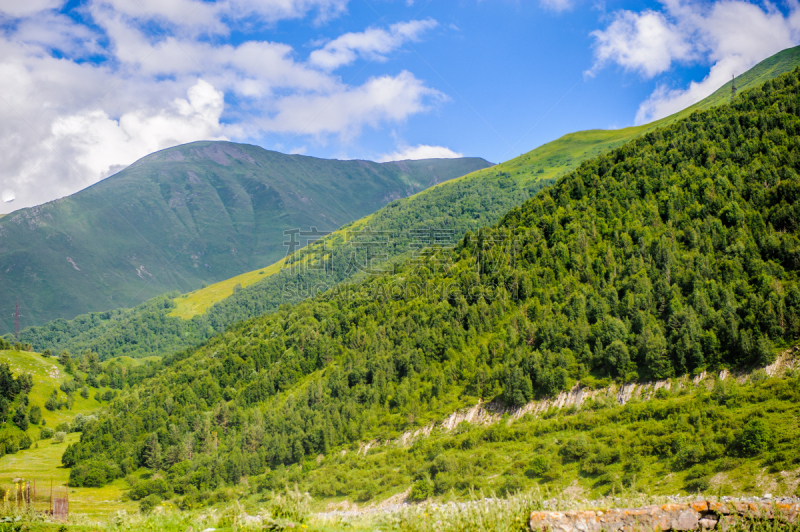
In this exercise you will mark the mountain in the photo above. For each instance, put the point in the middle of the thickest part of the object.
(676, 254)
(478, 199)
(185, 216)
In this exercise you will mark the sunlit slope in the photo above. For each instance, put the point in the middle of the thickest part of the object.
(47, 376)
(197, 302)
(564, 154)
(547, 162)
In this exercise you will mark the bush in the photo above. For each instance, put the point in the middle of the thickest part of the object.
(754, 438)
(421, 490)
(45, 433)
(35, 414)
(145, 488)
(540, 465)
(59, 436)
(147, 504)
(52, 402)
(93, 474)
(80, 421)
(576, 448)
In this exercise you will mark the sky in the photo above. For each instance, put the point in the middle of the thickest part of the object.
(87, 87)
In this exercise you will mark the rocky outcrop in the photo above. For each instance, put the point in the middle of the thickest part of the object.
(697, 515)
(490, 413)
(493, 412)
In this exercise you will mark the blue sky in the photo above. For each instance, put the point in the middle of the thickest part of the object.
(89, 86)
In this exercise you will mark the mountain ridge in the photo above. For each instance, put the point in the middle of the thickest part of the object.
(184, 216)
(467, 203)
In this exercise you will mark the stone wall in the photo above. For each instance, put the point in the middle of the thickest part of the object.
(697, 515)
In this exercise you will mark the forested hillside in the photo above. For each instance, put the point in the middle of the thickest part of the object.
(449, 210)
(674, 253)
(185, 216)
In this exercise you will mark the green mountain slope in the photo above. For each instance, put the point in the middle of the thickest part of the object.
(465, 204)
(544, 163)
(185, 216)
(677, 252)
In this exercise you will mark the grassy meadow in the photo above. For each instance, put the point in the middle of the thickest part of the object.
(42, 462)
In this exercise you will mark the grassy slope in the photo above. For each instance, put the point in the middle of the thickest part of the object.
(499, 458)
(47, 376)
(188, 215)
(555, 159)
(42, 461)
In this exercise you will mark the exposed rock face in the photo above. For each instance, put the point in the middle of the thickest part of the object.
(698, 515)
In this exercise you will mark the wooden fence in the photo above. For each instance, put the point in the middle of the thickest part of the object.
(22, 494)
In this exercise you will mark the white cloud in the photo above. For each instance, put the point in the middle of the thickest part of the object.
(421, 151)
(371, 44)
(68, 122)
(21, 8)
(736, 36)
(732, 36)
(381, 99)
(644, 42)
(192, 16)
(102, 145)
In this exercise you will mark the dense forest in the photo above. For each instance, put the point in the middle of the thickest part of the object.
(149, 329)
(675, 253)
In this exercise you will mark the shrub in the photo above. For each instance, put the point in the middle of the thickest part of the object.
(80, 421)
(59, 436)
(422, 489)
(754, 438)
(52, 402)
(93, 474)
(35, 414)
(540, 465)
(45, 433)
(147, 504)
(576, 448)
(145, 488)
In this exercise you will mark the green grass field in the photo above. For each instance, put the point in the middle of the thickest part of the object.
(199, 301)
(42, 462)
(47, 376)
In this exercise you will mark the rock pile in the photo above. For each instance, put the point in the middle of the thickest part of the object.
(697, 515)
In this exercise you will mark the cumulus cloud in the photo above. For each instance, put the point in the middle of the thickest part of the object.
(421, 151)
(731, 36)
(645, 42)
(70, 119)
(380, 99)
(102, 145)
(371, 44)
